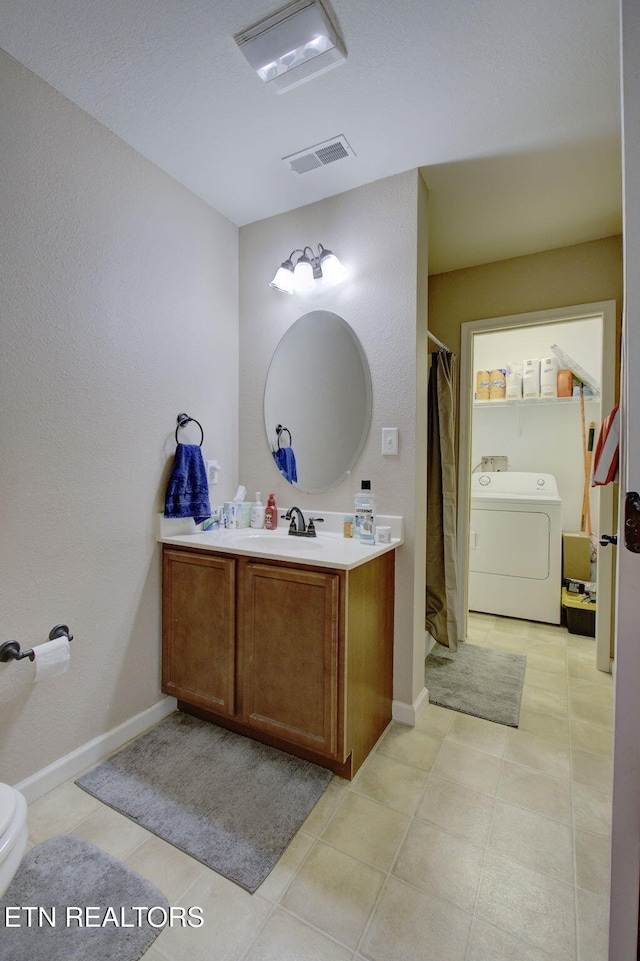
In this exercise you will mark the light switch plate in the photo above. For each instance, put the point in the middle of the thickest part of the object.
(389, 440)
(212, 471)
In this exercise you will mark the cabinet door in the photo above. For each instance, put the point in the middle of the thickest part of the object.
(289, 649)
(198, 618)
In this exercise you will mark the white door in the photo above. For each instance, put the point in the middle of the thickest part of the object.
(606, 310)
(625, 847)
(509, 543)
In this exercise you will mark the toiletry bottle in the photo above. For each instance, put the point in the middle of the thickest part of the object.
(347, 525)
(258, 511)
(365, 514)
(271, 513)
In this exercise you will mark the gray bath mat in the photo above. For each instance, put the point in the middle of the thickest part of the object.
(67, 882)
(228, 801)
(476, 680)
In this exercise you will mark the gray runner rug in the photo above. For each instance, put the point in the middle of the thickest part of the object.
(69, 884)
(228, 801)
(476, 680)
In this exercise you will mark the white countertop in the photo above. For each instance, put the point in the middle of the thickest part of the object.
(328, 549)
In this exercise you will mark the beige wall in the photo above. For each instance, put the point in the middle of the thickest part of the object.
(379, 232)
(119, 310)
(564, 277)
(567, 276)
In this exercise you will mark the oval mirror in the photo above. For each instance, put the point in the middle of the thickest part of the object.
(317, 402)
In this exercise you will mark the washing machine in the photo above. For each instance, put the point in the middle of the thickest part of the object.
(515, 545)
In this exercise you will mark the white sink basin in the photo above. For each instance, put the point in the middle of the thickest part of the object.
(268, 541)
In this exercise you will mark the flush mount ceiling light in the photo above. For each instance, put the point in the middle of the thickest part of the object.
(308, 270)
(293, 45)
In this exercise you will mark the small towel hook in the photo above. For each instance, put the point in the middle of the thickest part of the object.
(183, 420)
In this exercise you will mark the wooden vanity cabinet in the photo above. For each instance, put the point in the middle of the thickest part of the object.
(199, 629)
(312, 651)
(289, 654)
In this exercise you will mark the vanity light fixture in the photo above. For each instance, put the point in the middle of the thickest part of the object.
(309, 269)
(292, 45)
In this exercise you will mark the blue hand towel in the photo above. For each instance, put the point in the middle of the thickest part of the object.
(286, 461)
(188, 489)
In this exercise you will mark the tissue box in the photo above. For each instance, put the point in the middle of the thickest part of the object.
(237, 514)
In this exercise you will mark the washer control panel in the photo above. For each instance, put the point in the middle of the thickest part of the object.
(514, 483)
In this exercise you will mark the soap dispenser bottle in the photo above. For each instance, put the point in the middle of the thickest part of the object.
(271, 513)
(258, 512)
(365, 514)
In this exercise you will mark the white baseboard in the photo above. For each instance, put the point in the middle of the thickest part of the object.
(409, 713)
(93, 751)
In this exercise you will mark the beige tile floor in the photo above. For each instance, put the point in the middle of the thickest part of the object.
(459, 840)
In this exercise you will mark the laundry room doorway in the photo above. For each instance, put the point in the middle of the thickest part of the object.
(539, 441)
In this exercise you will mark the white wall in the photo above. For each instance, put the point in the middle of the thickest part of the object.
(534, 437)
(119, 310)
(379, 233)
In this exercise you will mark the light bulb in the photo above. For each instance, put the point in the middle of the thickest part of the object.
(332, 270)
(283, 279)
(303, 275)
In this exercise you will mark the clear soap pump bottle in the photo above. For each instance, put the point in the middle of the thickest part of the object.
(365, 514)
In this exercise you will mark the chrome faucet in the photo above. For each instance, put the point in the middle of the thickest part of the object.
(297, 527)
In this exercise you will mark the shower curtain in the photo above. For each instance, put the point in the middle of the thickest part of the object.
(442, 576)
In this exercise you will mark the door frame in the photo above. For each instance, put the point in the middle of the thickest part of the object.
(625, 825)
(610, 363)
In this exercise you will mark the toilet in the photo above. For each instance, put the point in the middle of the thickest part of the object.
(13, 833)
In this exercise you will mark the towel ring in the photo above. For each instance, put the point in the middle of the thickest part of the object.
(280, 430)
(183, 420)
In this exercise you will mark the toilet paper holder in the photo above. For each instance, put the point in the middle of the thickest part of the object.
(10, 650)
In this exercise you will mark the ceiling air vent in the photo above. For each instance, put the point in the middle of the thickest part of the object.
(319, 156)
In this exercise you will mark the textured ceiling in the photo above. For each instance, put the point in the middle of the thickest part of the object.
(510, 107)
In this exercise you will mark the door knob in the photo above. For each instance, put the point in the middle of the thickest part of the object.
(607, 539)
(632, 522)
